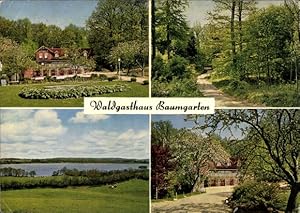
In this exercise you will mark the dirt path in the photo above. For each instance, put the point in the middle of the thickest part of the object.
(222, 99)
(210, 202)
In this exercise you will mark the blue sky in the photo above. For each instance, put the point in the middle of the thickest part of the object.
(179, 121)
(64, 12)
(70, 133)
(57, 12)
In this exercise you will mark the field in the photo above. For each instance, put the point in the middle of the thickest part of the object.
(129, 197)
(9, 95)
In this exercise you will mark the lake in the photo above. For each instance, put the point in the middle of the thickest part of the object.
(46, 169)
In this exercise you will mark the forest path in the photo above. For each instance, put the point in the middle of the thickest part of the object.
(222, 99)
(210, 202)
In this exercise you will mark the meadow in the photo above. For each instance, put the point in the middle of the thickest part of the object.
(130, 196)
(9, 95)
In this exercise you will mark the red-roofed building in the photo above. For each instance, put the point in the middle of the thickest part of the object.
(223, 174)
(55, 63)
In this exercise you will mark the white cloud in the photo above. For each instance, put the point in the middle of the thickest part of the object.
(127, 144)
(80, 117)
(29, 126)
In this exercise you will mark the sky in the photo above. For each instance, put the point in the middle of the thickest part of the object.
(57, 12)
(70, 133)
(64, 12)
(198, 9)
(180, 121)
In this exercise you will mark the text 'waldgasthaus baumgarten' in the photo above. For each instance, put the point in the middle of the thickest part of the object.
(149, 105)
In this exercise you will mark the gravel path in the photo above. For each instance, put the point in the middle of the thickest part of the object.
(222, 99)
(210, 202)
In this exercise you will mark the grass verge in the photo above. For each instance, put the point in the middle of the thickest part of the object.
(279, 95)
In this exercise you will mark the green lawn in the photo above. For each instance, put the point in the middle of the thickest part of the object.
(129, 197)
(277, 95)
(9, 95)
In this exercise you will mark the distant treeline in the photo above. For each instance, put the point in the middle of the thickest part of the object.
(73, 160)
(72, 178)
(13, 172)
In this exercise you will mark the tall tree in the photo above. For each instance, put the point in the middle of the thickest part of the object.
(170, 23)
(113, 22)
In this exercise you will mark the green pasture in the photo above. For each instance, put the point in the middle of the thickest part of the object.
(128, 197)
(9, 95)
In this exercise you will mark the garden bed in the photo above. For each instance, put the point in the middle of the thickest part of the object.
(69, 91)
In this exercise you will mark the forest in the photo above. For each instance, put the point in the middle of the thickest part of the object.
(249, 52)
(115, 29)
(264, 142)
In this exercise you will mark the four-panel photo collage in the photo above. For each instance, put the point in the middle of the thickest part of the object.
(224, 137)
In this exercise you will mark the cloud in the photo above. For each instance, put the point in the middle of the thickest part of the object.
(30, 126)
(43, 134)
(80, 117)
(128, 144)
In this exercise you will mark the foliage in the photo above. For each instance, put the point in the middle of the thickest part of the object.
(31, 35)
(74, 178)
(180, 159)
(252, 195)
(114, 22)
(171, 24)
(132, 54)
(277, 95)
(273, 141)
(176, 88)
(133, 79)
(70, 92)
(9, 171)
(13, 58)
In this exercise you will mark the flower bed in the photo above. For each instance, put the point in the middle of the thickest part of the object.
(70, 92)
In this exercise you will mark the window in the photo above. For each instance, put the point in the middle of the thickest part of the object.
(40, 55)
(46, 55)
(56, 54)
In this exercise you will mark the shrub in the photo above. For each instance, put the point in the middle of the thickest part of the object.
(70, 92)
(145, 82)
(93, 76)
(158, 67)
(103, 77)
(133, 79)
(238, 85)
(176, 88)
(177, 67)
(253, 195)
(112, 78)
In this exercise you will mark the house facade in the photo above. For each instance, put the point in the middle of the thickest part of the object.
(223, 174)
(55, 62)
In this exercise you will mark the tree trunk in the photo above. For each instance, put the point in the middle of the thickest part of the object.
(295, 188)
(153, 22)
(240, 24)
(232, 32)
(168, 34)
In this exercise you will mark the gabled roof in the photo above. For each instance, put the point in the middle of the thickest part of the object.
(44, 48)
